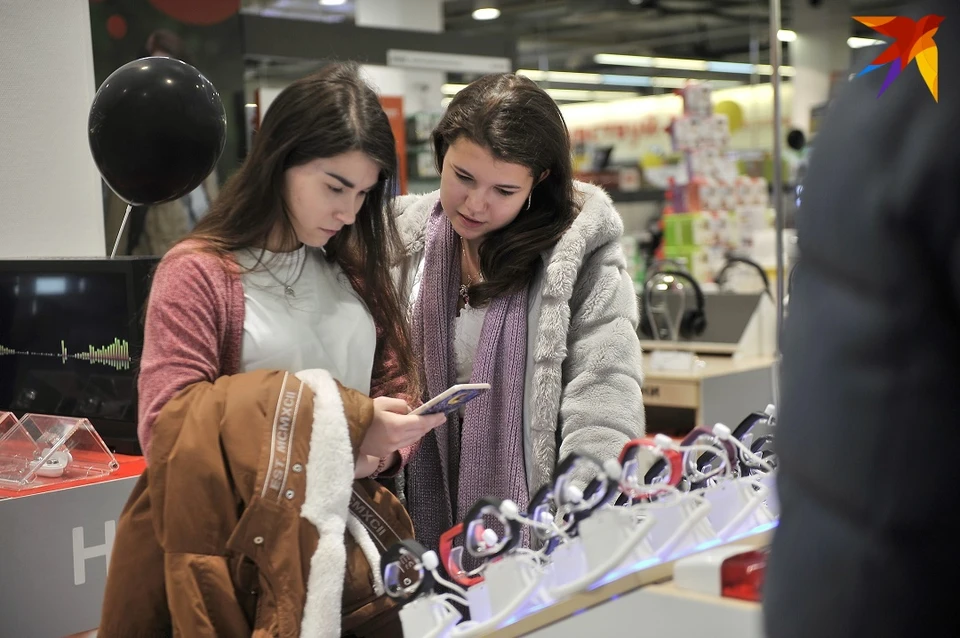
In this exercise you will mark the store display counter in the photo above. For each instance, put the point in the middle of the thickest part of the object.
(647, 598)
(55, 542)
(715, 392)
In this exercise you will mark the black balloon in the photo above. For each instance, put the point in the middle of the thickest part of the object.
(157, 128)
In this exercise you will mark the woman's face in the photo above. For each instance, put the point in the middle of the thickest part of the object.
(479, 193)
(325, 194)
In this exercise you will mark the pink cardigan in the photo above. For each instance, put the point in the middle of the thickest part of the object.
(194, 333)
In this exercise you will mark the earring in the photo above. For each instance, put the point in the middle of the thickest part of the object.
(529, 199)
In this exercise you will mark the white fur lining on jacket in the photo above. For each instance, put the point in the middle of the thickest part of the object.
(330, 468)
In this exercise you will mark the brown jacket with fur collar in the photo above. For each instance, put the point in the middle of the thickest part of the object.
(248, 521)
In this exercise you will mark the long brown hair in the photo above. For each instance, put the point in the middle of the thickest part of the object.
(322, 115)
(518, 123)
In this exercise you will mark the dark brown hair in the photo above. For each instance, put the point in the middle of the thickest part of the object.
(514, 119)
(168, 42)
(323, 115)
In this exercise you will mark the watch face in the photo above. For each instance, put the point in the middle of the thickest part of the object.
(701, 465)
(757, 433)
(404, 576)
(543, 510)
(763, 448)
(488, 533)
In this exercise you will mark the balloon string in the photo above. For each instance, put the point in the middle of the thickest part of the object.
(123, 225)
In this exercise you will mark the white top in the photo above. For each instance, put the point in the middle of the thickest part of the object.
(466, 330)
(466, 337)
(322, 325)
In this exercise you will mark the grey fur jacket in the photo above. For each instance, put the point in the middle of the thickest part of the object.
(583, 371)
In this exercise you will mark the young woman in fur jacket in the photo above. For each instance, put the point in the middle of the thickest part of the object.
(519, 280)
(267, 332)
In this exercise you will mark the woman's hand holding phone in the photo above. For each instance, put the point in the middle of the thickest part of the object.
(393, 427)
(366, 465)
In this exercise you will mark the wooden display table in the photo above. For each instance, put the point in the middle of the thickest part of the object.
(721, 390)
(646, 599)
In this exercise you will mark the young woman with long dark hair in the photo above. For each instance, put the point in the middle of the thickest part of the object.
(519, 281)
(267, 332)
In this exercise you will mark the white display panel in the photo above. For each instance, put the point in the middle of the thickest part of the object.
(51, 203)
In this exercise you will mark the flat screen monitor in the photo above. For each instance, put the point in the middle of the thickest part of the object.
(71, 333)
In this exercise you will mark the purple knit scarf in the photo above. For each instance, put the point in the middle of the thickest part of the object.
(484, 455)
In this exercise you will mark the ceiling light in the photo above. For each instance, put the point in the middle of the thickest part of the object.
(682, 64)
(572, 77)
(568, 95)
(580, 95)
(452, 89)
(600, 79)
(485, 10)
(767, 69)
(332, 3)
(786, 35)
(858, 43)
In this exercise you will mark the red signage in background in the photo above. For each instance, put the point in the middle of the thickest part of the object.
(198, 12)
(393, 107)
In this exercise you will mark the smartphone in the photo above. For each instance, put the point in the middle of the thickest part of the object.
(452, 398)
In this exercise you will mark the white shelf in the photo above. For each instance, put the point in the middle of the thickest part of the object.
(647, 599)
(663, 610)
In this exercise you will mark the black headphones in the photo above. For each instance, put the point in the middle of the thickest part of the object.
(732, 260)
(693, 322)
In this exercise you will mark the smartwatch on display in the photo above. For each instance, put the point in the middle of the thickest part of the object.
(481, 541)
(598, 492)
(451, 557)
(404, 576)
(666, 470)
(699, 466)
(763, 448)
(756, 432)
(543, 510)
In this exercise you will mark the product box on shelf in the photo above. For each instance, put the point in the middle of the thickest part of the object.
(699, 260)
(688, 133)
(703, 162)
(677, 230)
(727, 229)
(717, 130)
(697, 99)
(685, 133)
(705, 228)
(752, 218)
(750, 191)
(711, 163)
(727, 196)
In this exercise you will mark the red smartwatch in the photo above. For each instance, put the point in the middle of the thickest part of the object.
(669, 469)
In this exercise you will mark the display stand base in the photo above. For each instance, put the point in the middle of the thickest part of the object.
(41, 450)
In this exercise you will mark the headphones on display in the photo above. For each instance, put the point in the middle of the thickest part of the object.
(733, 260)
(694, 321)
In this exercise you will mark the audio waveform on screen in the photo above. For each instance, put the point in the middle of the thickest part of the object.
(116, 355)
